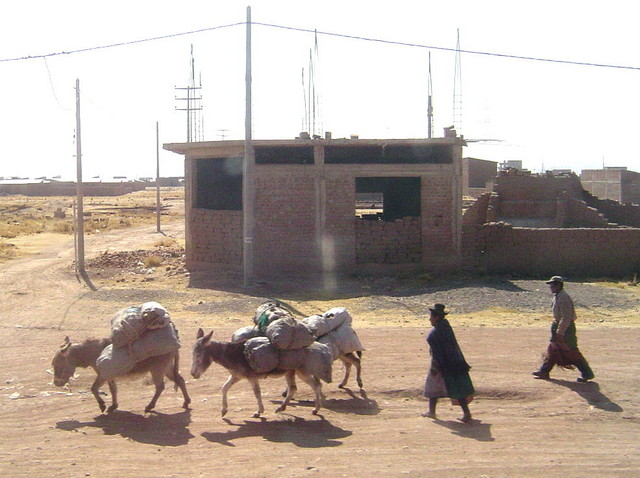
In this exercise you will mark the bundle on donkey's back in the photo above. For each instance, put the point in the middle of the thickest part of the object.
(143, 339)
(333, 329)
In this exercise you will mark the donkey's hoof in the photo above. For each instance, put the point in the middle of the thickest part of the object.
(256, 415)
(315, 412)
(280, 409)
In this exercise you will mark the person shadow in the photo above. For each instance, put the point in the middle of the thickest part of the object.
(474, 429)
(590, 391)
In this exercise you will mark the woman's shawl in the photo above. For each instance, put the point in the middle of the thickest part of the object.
(445, 350)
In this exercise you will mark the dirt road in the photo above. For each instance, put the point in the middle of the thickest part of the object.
(522, 427)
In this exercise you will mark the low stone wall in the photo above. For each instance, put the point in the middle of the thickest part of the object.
(216, 238)
(380, 242)
(499, 248)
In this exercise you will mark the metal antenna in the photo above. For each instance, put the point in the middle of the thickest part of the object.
(429, 103)
(457, 88)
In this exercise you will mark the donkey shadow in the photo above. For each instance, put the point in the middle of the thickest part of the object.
(155, 429)
(356, 405)
(590, 391)
(295, 430)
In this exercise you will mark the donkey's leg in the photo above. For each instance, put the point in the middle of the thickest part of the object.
(291, 389)
(157, 375)
(113, 388)
(95, 389)
(255, 385)
(314, 383)
(225, 388)
(349, 360)
(175, 376)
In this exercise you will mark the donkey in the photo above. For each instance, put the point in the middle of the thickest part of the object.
(69, 356)
(231, 356)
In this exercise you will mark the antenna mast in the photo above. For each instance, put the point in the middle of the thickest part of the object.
(194, 104)
(457, 87)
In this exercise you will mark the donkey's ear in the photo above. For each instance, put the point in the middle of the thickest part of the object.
(207, 337)
(200, 334)
(64, 348)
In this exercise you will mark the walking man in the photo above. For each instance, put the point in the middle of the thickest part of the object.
(563, 347)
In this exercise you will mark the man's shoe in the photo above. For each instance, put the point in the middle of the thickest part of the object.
(541, 375)
(583, 380)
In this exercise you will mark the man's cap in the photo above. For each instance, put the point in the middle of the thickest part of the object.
(438, 309)
(556, 279)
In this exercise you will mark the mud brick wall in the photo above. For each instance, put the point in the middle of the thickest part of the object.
(438, 220)
(500, 248)
(215, 238)
(285, 229)
(383, 242)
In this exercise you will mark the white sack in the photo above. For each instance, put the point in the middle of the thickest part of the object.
(343, 340)
(261, 354)
(287, 334)
(271, 311)
(330, 320)
(129, 323)
(244, 333)
(115, 361)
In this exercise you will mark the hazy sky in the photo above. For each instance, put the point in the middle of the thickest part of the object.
(547, 114)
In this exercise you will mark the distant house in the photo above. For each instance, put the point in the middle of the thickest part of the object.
(306, 209)
(617, 184)
(478, 175)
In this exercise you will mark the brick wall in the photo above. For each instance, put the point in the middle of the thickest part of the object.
(215, 238)
(285, 230)
(383, 242)
(500, 248)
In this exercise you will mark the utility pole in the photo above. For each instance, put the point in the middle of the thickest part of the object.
(158, 178)
(248, 193)
(429, 104)
(80, 267)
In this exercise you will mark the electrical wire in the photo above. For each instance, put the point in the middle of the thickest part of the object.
(333, 34)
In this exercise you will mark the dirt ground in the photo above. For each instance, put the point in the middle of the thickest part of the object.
(521, 427)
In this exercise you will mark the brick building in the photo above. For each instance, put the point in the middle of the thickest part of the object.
(617, 184)
(305, 206)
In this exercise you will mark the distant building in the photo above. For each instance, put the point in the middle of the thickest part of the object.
(511, 164)
(617, 184)
(478, 175)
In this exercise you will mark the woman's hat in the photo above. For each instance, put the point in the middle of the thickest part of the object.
(438, 309)
(556, 279)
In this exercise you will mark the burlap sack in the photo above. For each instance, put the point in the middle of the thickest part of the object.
(287, 334)
(244, 333)
(315, 360)
(128, 324)
(261, 354)
(115, 361)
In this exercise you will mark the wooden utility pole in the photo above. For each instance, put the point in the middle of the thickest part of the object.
(158, 177)
(80, 268)
(248, 193)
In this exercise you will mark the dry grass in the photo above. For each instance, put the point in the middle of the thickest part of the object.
(29, 215)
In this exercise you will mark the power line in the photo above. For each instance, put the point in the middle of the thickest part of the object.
(338, 35)
(432, 47)
(112, 45)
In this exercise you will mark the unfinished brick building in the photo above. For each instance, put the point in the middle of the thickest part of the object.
(306, 195)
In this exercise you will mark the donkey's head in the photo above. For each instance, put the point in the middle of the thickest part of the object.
(63, 368)
(201, 359)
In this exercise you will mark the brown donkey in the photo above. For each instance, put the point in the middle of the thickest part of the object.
(231, 356)
(69, 356)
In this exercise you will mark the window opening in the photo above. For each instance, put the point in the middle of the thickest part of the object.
(387, 198)
(219, 184)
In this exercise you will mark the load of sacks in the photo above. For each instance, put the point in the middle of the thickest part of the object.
(277, 340)
(137, 333)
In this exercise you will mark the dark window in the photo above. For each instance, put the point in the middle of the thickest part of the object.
(219, 184)
(389, 154)
(400, 197)
(284, 154)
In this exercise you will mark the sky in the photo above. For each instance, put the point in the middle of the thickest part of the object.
(548, 114)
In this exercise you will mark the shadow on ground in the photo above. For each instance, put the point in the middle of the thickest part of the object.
(590, 391)
(295, 430)
(156, 428)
